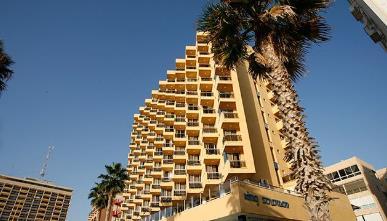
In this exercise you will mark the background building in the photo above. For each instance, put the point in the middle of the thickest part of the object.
(31, 199)
(373, 14)
(357, 179)
(202, 129)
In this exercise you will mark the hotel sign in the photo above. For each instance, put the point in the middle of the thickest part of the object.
(265, 200)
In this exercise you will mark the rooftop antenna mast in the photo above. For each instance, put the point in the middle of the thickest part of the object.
(44, 167)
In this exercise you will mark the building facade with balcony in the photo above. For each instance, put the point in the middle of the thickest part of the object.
(365, 190)
(373, 14)
(203, 126)
(31, 199)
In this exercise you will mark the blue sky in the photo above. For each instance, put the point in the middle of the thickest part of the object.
(84, 67)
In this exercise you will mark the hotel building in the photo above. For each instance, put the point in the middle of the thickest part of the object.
(366, 192)
(373, 14)
(203, 139)
(31, 199)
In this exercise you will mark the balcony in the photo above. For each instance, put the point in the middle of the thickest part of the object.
(224, 83)
(208, 116)
(158, 153)
(227, 101)
(166, 179)
(166, 199)
(194, 166)
(213, 175)
(180, 192)
(155, 204)
(167, 161)
(212, 156)
(206, 83)
(237, 164)
(195, 185)
(180, 139)
(168, 148)
(232, 141)
(207, 99)
(210, 135)
(180, 172)
(180, 123)
(156, 186)
(193, 147)
(229, 121)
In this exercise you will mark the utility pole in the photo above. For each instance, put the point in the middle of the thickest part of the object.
(44, 167)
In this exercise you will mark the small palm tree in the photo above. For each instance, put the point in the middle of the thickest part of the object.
(272, 36)
(99, 198)
(5, 70)
(113, 182)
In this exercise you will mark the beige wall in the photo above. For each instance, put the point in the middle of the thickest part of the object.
(235, 204)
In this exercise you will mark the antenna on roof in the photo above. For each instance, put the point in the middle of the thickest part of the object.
(44, 167)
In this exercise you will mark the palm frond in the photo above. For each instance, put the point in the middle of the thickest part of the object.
(5, 71)
(226, 28)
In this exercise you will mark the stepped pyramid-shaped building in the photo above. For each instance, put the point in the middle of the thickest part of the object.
(205, 128)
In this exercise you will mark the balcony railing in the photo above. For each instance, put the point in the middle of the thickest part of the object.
(155, 186)
(195, 184)
(230, 115)
(180, 172)
(179, 135)
(232, 137)
(179, 119)
(225, 78)
(158, 153)
(180, 104)
(154, 204)
(166, 199)
(193, 108)
(206, 94)
(159, 139)
(180, 192)
(193, 142)
(157, 169)
(226, 95)
(166, 179)
(208, 111)
(192, 79)
(167, 161)
(237, 163)
(193, 124)
(179, 152)
(212, 151)
(193, 163)
(206, 79)
(209, 130)
(213, 175)
(167, 144)
(169, 129)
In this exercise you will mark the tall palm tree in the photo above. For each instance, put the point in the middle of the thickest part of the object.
(99, 198)
(272, 36)
(113, 182)
(5, 70)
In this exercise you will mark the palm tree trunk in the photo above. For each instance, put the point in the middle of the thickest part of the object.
(301, 149)
(107, 215)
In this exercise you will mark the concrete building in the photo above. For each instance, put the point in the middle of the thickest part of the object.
(31, 199)
(357, 179)
(373, 14)
(205, 134)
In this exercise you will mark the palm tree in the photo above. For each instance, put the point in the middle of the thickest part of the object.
(5, 71)
(113, 182)
(99, 198)
(272, 36)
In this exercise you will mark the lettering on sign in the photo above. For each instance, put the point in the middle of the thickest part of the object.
(251, 197)
(267, 201)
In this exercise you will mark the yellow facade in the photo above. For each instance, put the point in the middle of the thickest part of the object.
(204, 125)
